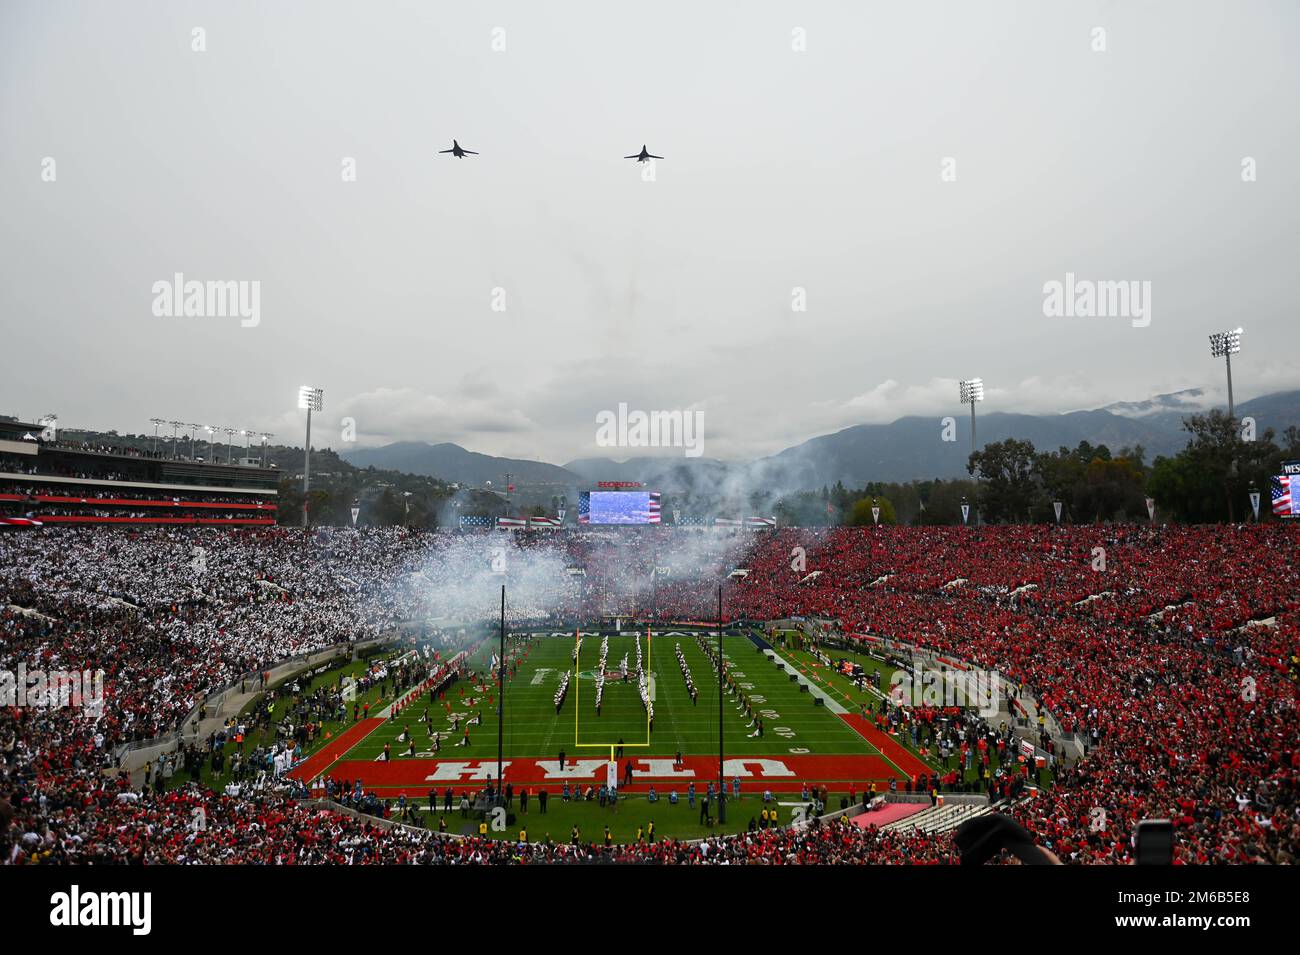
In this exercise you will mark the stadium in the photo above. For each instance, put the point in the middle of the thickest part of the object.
(585, 690)
(884, 470)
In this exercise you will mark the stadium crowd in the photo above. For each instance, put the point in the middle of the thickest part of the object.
(1167, 653)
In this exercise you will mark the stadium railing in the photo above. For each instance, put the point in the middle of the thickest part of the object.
(131, 756)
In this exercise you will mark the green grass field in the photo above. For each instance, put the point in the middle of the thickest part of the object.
(793, 727)
(792, 723)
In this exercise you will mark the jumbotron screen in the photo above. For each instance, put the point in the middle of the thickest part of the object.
(618, 507)
(1286, 503)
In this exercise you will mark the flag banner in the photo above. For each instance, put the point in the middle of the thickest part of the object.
(965, 513)
(1057, 506)
(1151, 508)
(1284, 503)
(619, 507)
(511, 522)
(475, 521)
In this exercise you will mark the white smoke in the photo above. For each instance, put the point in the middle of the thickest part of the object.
(571, 576)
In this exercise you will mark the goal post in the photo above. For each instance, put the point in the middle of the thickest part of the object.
(577, 699)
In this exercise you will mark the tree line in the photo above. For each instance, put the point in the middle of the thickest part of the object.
(1011, 481)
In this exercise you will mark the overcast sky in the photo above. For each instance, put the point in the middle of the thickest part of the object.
(817, 169)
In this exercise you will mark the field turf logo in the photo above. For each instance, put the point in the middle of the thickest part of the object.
(77, 908)
(944, 686)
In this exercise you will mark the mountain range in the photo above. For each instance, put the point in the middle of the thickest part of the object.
(454, 464)
(909, 448)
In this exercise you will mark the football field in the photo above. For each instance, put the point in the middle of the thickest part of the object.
(804, 741)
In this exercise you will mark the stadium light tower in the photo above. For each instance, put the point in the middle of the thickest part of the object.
(266, 436)
(211, 432)
(971, 391)
(1224, 345)
(156, 422)
(176, 426)
(194, 429)
(309, 399)
(230, 441)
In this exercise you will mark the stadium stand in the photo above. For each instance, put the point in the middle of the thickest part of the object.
(71, 482)
(1186, 713)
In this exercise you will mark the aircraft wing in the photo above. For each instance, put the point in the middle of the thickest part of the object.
(446, 150)
(653, 156)
(633, 156)
(469, 152)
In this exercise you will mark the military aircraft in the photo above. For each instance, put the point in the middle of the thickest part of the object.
(456, 151)
(643, 155)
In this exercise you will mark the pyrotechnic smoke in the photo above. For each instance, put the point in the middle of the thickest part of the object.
(572, 576)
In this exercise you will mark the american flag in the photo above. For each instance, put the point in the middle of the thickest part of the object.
(1282, 504)
(653, 512)
(468, 520)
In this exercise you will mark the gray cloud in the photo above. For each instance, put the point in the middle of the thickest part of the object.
(818, 170)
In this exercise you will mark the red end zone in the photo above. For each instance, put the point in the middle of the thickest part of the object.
(787, 773)
(893, 750)
(321, 760)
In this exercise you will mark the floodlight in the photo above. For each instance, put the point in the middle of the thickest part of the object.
(1223, 344)
(309, 398)
(971, 390)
